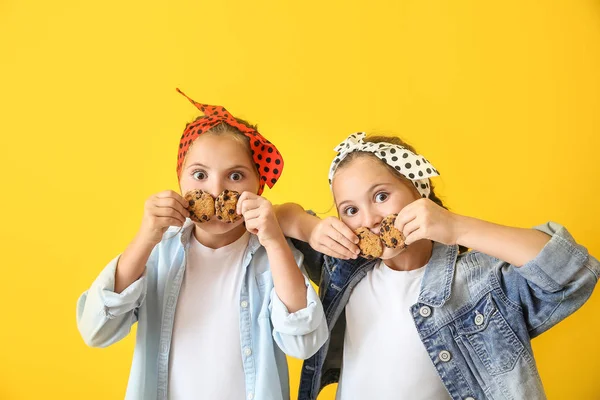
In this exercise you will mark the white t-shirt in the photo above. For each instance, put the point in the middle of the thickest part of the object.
(206, 357)
(383, 354)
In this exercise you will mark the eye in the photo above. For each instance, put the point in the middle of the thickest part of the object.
(199, 175)
(236, 176)
(350, 211)
(381, 197)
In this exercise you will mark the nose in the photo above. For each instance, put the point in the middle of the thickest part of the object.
(215, 186)
(371, 219)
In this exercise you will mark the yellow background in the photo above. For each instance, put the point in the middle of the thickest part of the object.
(503, 97)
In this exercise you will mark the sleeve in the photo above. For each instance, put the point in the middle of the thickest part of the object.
(302, 333)
(313, 260)
(552, 286)
(105, 317)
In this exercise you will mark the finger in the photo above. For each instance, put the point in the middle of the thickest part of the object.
(168, 221)
(165, 193)
(173, 195)
(169, 202)
(252, 225)
(410, 227)
(244, 197)
(250, 204)
(404, 217)
(336, 236)
(342, 251)
(346, 232)
(416, 235)
(327, 251)
(167, 212)
(252, 214)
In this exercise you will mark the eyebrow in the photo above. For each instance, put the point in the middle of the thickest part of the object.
(197, 164)
(240, 167)
(371, 189)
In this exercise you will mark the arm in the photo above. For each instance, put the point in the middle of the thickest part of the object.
(423, 219)
(329, 236)
(299, 324)
(107, 310)
(302, 333)
(132, 263)
(543, 272)
(552, 285)
(289, 283)
(104, 316)
(296, 222)
(516, 246)
(288, 280)
(160, 211)
(315, 237)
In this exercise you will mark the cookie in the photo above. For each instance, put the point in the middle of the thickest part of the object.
(225, 205)
(389, 234)
(369, 243)
(201, 205)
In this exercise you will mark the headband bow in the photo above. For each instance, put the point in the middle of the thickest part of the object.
(412, 166)
(267, 158)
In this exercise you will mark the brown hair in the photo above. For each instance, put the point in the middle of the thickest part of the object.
(397, 141)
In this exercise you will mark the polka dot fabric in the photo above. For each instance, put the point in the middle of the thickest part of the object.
(413, 166)
(267, 158)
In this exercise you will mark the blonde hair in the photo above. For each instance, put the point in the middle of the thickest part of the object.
(226, 129)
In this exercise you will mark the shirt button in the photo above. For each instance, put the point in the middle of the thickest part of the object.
(444, 356)
(425, 311)
(469, 398)
(479, 321)
(244, 304)
(248, 351)
(251, 396)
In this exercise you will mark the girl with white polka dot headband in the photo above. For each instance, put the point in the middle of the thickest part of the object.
(412, 313)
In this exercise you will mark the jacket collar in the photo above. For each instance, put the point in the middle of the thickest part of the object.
(439, 273)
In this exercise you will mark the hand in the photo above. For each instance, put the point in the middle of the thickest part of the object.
(162, 210)
(260, 218)
(423, 219)
(332, 237)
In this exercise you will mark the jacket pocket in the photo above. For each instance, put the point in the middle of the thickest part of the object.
(490, 336)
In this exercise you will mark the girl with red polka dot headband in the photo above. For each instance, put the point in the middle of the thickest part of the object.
(217, 291)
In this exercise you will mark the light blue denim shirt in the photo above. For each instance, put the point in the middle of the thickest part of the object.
(267, 329)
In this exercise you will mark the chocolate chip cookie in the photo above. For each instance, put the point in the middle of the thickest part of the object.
(389, 234)
(369, 243)
(225, 206)
(201, 205)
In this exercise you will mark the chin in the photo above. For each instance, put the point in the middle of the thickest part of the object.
(391, 253)
(216, 227)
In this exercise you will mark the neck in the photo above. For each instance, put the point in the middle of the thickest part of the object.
(216, 241)
(415, 256)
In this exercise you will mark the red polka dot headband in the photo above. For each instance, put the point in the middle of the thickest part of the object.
(267, 158)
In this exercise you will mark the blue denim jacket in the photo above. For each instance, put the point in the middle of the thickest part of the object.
(267, 329)
(475, 314)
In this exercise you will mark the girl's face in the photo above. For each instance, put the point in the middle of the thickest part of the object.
(366, 191)
(215, 163)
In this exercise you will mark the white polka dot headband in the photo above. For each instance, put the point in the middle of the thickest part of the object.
(413, 166)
